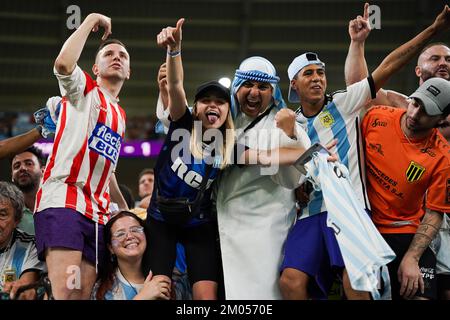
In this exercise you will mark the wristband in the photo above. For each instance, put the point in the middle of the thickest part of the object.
(173, 54)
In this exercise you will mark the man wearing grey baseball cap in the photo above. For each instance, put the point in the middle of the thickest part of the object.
(433, 61)
(434, 95)
(308, 261)
(408, 183)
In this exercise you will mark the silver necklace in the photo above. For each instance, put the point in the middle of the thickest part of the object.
(425, 148)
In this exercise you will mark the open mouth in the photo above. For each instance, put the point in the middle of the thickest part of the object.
(253, 104)
(212, 116)
(316, 87)
(131, 245)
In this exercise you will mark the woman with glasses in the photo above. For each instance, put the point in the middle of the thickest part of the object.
(122, 277)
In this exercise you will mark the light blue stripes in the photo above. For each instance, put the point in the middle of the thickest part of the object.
(18, 259)
(315, 205)
(339, 130)
(128, 291)
(363, 249)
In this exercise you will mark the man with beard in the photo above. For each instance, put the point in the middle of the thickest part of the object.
(397, 189)
(312, 253)
(26, 172)
(433, 61)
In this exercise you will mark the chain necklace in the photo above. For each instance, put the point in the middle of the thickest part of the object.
(425, 148)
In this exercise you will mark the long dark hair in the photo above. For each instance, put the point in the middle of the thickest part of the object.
(107, 273)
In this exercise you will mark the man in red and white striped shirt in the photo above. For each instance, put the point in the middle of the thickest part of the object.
(72, 205)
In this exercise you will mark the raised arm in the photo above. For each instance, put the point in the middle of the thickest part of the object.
(163, 97)
(14, 145)
(356, 66)
(170, 38)
(355, 63)
(70, 53)
(403, 54)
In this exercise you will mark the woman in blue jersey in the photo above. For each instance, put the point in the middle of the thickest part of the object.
(187, 159)
(122, 277)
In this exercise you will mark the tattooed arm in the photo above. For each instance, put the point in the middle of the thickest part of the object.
(409, 274)
(403, 54)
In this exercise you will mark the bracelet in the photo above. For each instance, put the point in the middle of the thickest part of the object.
(173, 54)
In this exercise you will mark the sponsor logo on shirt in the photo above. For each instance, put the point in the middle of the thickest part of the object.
(101, 107)
(376, 147)
(414, 172)
(105, 142)
(190, 177)
(326, 119)
(378, 123)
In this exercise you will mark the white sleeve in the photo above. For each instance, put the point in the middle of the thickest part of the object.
(31, 260)
(356, 96)
(163, 115)
(72, 85)
(288, 176)
(52, 105)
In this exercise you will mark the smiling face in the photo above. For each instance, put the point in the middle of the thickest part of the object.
(212, 111)
(127, 239)
(310, 84)
(434, 62)
(112, 62)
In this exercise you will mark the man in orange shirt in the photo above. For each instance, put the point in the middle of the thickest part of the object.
(407, 160)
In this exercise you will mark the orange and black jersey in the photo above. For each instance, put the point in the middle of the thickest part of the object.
(401, 172)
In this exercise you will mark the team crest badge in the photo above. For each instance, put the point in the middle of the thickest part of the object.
(326, 119)
(414, 172)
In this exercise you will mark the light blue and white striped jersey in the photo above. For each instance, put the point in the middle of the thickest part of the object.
(363, 249)
(122, 289)
(340, 119)
(19, 256)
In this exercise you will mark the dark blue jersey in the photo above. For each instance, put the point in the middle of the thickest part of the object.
(177, 173)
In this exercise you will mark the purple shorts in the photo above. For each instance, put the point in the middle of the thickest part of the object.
(67, 228)
(312, 247)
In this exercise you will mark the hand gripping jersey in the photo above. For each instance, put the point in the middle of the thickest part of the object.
(363, 248)
(400, 173)
(91, 126)
(339, 119)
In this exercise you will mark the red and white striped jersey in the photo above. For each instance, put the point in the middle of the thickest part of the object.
(91, 126)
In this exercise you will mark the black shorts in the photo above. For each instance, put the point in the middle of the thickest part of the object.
(443, 283)
(200, 244)
(399, 242)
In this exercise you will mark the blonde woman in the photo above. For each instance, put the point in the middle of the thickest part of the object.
(188, 158)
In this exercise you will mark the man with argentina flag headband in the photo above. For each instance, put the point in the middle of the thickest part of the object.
(255, 205)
